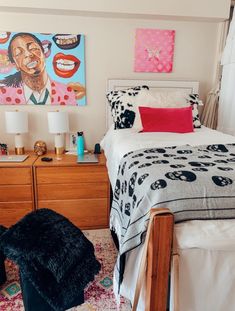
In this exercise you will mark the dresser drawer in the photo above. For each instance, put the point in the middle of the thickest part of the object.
(72, 191)
(84, 213)
(75, 174)
(15, 193)
(15, 176)
(12, 212)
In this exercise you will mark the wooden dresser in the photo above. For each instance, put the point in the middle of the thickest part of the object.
(16, 190)
(78, 191)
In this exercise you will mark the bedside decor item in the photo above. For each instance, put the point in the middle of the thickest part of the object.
(17, 123)
(154, 50)
(80, 143)
(57, 62)
(97, 149)
(3, 149)
(40, 147)
(58, 123)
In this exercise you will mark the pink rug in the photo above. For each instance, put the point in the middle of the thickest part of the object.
(98, 294)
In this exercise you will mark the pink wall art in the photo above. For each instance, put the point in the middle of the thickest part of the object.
(154, 50)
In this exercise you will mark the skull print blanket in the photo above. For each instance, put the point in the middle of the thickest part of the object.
(193, 182)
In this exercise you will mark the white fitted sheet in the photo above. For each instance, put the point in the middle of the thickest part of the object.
(207, 248)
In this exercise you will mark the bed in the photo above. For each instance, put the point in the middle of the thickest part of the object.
(203, 246)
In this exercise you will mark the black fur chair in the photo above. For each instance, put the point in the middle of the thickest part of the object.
(56, 260)
(2, 259)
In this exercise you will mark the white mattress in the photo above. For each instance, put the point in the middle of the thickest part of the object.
(206, 247)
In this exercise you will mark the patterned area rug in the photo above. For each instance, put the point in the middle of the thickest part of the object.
(98, 294)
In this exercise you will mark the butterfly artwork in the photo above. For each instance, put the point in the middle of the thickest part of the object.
(154, 50)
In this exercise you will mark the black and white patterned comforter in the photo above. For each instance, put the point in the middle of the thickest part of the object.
(194, 182)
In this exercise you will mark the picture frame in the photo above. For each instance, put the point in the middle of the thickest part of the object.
(71, 141)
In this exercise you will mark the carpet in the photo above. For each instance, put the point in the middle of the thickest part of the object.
(98, 294)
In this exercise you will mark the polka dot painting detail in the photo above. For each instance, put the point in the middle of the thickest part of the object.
(154, 50)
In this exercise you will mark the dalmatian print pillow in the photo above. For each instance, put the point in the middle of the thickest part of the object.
(194, 101)
(122, 103)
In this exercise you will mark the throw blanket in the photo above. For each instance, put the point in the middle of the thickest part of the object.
(194, 182)
(53, 254)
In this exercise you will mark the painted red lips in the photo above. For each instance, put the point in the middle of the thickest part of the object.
(4, 36)
(65, 66)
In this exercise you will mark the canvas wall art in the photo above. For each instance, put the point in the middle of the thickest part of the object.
(154, 50)
(42, 69)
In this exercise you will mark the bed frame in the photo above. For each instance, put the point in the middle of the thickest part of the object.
(159, 248)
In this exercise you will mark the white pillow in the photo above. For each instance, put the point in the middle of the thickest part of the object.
(158, 99)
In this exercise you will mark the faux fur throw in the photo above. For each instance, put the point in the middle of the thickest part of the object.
(53, 254)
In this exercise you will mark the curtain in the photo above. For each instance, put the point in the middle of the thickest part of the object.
(226, 110)
(210, 112)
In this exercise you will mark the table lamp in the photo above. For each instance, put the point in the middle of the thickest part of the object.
(17, 123)
(58, 123)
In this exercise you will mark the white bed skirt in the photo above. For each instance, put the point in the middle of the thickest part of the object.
(207, 267)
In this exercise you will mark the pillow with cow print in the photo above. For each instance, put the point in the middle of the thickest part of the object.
(123, 107)
(194, 101)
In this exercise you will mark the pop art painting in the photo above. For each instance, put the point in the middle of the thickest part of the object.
(154, 50)
(42, 69)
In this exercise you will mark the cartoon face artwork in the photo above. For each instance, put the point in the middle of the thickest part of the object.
(181, 175)
(158, 184)
(222, 181)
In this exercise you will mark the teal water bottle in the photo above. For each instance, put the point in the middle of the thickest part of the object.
(80, 143)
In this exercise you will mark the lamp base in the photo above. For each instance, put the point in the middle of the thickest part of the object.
(59, 150)
(19, 150)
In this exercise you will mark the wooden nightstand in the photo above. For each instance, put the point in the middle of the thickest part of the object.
(16, 190)
(80, 192)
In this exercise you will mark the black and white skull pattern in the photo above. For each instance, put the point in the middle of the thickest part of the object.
(231, 160)
(201, 164)
(134, 199)
(145, 165)
(160, 162)
(155, 150)
(232, 154)
(123, 168)
(131, 185)
(117, 189)
(127, 209)
(137, 155)
(142, 178)
(200, 169)
(220, 161)
(222, 181)
(152, 157)
(133, 164)
(204, 157)
(169, 155)
(158, 184)
(177, 165)
(184, 151)
(217, 148)
(225, 168)
(121, 206)
(127, 154)
(180, 158)
(182, 176)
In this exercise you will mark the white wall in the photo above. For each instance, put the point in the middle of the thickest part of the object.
(207, 9)
(109, 45)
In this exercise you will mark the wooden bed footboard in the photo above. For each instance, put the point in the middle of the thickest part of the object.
(158, 261)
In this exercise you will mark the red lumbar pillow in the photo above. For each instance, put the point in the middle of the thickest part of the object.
(176, 120)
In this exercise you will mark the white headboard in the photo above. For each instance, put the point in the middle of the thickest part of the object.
(160, 85)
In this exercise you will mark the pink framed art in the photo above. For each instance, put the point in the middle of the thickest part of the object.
(154, 50)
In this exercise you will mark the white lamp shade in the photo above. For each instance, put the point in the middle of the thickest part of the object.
(58, 122)
(16, 122)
